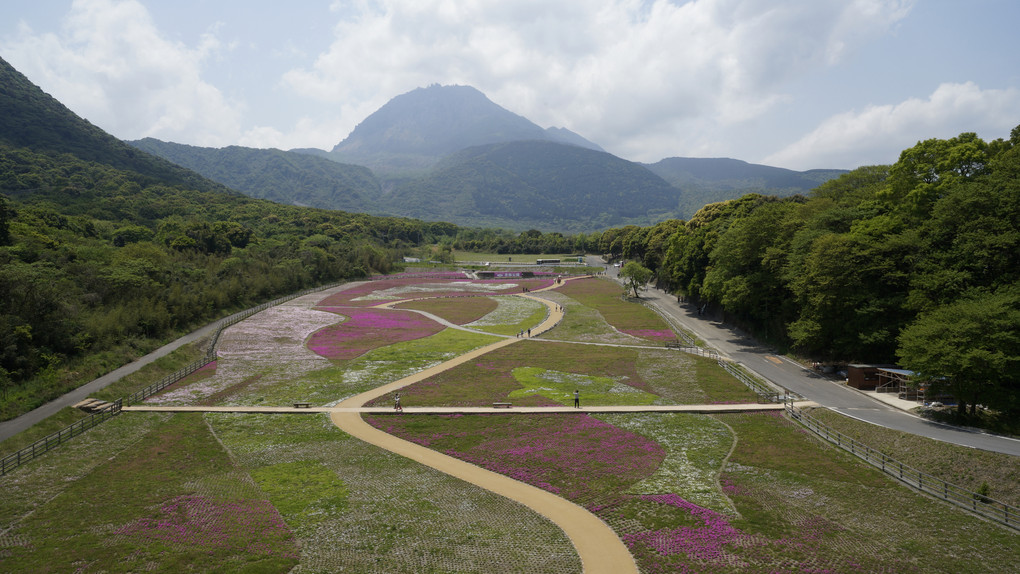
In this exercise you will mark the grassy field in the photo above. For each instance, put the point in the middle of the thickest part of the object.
(281, 493)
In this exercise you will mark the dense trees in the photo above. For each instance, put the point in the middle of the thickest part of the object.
(885, 263)
(970, 348)
(97, 262)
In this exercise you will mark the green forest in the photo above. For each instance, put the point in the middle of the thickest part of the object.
(100, 266)
(916, 264)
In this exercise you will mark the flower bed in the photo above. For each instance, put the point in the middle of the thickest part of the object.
(491, 378)
(560, 386)
(197, 523)
(388, 514)
(578, 457)
(631, 318)
(367, 329)
(376, 292)
(459, 310)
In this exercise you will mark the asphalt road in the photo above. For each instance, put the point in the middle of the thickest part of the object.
(790, 375)
(25, 421)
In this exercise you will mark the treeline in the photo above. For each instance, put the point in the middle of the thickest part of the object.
(99, 264)
(917, 264)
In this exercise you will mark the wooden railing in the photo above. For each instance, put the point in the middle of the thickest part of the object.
(36, 449)
(977, 503)
(44, 445)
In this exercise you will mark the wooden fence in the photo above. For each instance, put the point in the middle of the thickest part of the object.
(977, 503)
(44, 445)
(36, 449)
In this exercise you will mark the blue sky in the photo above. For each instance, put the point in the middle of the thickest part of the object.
(792, 83)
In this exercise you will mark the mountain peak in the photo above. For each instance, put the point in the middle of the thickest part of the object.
(416, 129)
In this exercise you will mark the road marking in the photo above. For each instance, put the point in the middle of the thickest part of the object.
(772, 359)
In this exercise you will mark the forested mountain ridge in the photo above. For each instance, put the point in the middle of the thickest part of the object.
(537, 184)
(32, 119)
(107, 251)
(702, 181)
(444, 153)
(279, 176)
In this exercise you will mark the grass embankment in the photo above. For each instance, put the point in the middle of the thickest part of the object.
(147, 375)
(603, 315)
(965, 467)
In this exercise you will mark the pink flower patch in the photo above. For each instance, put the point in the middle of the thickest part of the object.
(367, 329)
(703, 542)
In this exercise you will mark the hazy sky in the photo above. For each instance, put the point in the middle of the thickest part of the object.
(792, 83)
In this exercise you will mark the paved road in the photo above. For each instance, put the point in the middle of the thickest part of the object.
(25, 421)
(787, 374)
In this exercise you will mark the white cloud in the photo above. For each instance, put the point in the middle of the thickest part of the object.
(622, 73)
(879, 133)
(110, 64)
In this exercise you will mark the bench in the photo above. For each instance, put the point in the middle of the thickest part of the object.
(302, 405)
(501, 405)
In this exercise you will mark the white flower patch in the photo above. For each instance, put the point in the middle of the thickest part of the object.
(410, 291)
(269, 345)
(371, 374)
(695, 448)
(508, 311)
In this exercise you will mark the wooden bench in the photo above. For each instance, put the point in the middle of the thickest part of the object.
(302, 405)
(502, 405)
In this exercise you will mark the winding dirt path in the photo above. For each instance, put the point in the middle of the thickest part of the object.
(600, 549)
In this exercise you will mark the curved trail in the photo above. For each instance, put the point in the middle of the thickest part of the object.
(600, 549)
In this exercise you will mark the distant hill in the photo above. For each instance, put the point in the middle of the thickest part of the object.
(32, 119)
(413, 131)
(709, 180)
(279, 176)
(537, 184)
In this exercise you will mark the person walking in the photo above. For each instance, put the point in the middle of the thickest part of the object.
(396, 403)
(577, 399)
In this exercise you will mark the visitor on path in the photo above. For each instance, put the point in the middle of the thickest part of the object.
(396, 404)
(577, 399)
(529, 332)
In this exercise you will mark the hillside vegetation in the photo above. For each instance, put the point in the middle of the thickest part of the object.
(106, 251)
(279, 176)
(917, 263)
(537, 184)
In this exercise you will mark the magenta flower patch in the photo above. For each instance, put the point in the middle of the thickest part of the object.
(578, 457)
(367, 329)
(704, 542)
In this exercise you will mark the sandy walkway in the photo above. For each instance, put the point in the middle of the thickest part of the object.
(600, 549)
